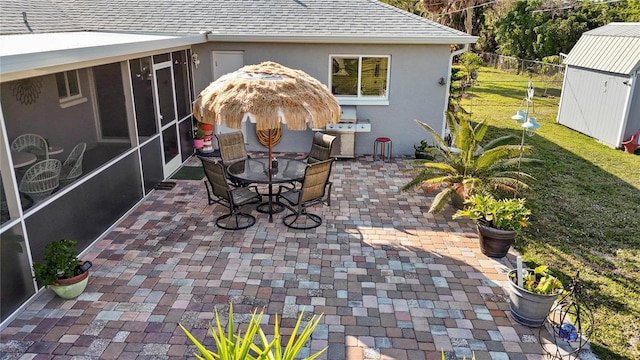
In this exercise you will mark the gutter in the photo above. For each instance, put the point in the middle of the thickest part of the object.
(448, 85)
(340, 39)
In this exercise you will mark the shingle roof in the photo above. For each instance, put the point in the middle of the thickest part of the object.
(228, 19)
(612, 48)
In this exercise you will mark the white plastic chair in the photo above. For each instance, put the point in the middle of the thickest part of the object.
(32, 143)
(41, 179)
(72, 167)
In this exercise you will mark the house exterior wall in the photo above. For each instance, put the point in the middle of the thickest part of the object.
(594, 103)
(414, 92)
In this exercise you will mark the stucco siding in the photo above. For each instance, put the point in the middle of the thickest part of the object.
(414, 92)
(593, 103)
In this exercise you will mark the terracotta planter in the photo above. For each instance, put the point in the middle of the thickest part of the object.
(207, 128)
(529, 308)
(495, 242)
(72, 287)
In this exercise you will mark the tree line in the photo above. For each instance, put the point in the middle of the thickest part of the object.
(527, 29)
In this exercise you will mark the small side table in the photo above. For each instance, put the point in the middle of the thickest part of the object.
(54, 150)
(22, 159)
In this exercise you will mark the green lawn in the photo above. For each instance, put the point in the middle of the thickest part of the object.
(586, 208)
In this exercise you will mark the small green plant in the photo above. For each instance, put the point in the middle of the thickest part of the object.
(505, 214)
(539, 281)
(60, 261)
(232, 346)
(471, 62)
(199, 134)
(423, 145)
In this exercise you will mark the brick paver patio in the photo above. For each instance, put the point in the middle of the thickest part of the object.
(393, 281)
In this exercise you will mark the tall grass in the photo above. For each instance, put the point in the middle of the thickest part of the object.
(586, 207)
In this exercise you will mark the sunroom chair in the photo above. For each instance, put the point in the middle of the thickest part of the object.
(32, 143)
(72, 167)
(316, 189)
(41, 179)
(320, 147)
(233, 198)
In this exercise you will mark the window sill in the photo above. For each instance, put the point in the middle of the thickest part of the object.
(354, 101)
(69, 103)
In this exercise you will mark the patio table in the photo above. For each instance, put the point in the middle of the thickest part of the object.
(257, 171)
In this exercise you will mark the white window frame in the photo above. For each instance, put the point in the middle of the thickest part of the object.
(360, 99)
(70, 100)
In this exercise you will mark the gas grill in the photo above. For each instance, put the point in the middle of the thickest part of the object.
(345, 132)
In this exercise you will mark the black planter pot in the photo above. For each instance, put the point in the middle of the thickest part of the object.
(495, 242)
(424, 155)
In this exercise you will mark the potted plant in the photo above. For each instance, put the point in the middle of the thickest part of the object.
(498, 221)
(531, 302)
(424, 150)
(238, 346)
(468, 168)
(198, 138)
(61, 269)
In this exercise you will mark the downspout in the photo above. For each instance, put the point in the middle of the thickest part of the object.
(448, 85)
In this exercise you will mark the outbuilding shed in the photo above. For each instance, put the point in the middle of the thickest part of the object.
(600, 93)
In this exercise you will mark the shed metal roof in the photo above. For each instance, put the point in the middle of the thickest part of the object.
(613, 48)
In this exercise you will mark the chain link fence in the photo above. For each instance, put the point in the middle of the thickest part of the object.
(548, 71)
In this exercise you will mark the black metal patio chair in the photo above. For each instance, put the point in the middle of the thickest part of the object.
(316, 189)
(223, 193)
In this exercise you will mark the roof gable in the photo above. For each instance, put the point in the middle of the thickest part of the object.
(611, 48)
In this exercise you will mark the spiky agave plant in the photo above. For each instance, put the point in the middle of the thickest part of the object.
(237, 346)
(472, 168)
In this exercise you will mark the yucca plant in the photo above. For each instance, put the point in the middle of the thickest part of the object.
(238, 346)
(470, 168)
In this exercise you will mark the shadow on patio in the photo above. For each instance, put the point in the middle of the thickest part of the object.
(393, 281)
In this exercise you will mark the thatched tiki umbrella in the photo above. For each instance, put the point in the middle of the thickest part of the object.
(268, 94)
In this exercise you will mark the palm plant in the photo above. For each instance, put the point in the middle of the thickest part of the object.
(469, 168)
(232, 345)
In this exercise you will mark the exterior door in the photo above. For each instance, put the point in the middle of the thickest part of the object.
(225, 62)
(167, 116)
